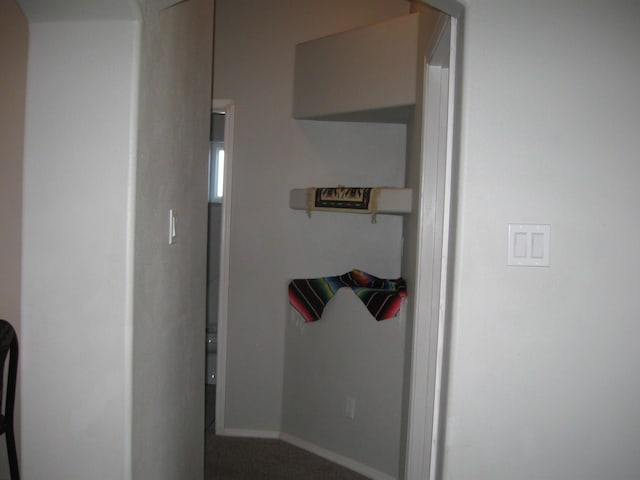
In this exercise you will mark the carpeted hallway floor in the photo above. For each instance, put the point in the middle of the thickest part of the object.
(233, 458)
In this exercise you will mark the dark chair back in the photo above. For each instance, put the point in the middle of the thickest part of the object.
(9, 347)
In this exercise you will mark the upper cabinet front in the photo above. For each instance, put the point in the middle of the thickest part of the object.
(365, 74)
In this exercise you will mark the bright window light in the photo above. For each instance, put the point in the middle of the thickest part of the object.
(216, 172)
(220, 173)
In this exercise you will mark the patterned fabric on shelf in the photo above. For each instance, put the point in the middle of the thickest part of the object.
(382, 297)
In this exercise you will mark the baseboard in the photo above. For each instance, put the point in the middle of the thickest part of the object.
(346, 462)
(241, 432)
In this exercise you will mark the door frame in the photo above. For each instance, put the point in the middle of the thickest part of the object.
(228, 108)
(428, 376)
(429, 357)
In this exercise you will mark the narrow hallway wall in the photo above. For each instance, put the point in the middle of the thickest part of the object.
(170, 280)
(14, 38)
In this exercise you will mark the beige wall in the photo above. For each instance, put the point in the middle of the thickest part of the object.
(13, 65)
(170, 280)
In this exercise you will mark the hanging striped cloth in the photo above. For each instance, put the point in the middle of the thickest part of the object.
(382, 297)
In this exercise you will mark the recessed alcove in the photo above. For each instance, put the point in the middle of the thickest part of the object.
(372, 75)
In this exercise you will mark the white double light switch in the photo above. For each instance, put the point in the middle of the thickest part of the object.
(528, 245)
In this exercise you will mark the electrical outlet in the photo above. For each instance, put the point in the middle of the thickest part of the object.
(350, 408)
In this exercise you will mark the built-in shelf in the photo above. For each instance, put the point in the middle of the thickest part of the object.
(388, 200)
(367, 74)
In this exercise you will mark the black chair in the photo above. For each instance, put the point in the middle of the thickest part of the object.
(9, 345)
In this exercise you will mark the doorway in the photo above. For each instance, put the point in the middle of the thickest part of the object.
(424, 388)
(220, 156)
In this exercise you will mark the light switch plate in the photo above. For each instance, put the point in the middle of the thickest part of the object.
(172, 227)
(528, 245)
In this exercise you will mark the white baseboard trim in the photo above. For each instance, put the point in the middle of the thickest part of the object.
(346, 462)
(241, 432)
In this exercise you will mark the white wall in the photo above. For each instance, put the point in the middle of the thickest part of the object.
(75, 288)
(80, 415)
(543, 381)
(170, 280)
(213, 262)
(13, 82)
(346, 353)
(270, 244)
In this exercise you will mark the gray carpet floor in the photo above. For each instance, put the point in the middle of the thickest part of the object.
(233, 458)
(210, 408)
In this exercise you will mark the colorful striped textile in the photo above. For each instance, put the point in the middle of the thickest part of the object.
(382, 297)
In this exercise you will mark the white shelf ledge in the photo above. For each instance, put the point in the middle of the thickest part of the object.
(389, 200)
